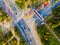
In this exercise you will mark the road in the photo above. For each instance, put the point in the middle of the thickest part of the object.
(14, 12)
(21, 23)
(34, 33)
(46, 11)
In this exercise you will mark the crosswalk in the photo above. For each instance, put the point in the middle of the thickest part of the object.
(16, 13)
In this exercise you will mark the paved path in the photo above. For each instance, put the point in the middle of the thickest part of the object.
(52, 32)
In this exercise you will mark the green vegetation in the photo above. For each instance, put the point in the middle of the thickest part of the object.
(46, 36)
(54, 21)
(32, 3)
(24, 3)
(21, 3)
(5, 37)
(56, 12)
(22, 40)
(3, 16)
(36, 4)
(2, 38)
(13, 42)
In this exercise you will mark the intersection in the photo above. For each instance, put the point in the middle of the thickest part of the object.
(23, 24)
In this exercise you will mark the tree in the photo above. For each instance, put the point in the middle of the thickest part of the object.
(56, 12)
